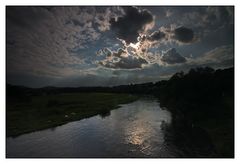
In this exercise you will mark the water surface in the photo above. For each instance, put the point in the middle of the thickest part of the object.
(133, 130)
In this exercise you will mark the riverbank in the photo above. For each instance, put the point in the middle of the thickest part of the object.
(202, 129)
(202, 106)
(46, 111)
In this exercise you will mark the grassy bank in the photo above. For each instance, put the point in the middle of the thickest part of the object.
(45, 111)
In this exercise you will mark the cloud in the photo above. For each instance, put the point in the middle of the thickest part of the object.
(218, 57)
(204, 20)
(218, 15)
(169, 13)
(156, 36)
(42, 41)
(104, 15)
(183, 34)
(121, 59)
(130, 62)
(138, 54)
(131, 29)
(171, 56)
(25, 17)
(165, 35)
(129, 26)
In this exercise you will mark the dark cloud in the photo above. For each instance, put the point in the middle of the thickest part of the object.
(131, 24)
(204, 20)
(156, 35)
(171, 56)
(25, 17)
(166, 34)
(183, 34)
(130, 62)
(218, 16)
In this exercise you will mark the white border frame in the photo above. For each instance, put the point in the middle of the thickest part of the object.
(3, 4)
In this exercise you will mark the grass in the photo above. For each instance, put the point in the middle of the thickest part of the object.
(47, 111)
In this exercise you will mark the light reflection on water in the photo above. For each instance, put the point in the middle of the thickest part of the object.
(144, 130)
(134, 130)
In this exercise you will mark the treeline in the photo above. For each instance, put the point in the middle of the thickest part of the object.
(199, 83)
(202, 105)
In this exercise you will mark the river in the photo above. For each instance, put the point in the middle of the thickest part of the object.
(133, 130)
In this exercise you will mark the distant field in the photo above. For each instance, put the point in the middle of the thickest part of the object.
(47, 111)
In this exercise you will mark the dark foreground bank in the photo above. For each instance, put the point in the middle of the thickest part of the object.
(202, 104)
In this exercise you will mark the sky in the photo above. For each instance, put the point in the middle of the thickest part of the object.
(114, 45)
